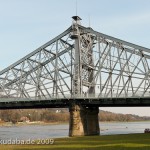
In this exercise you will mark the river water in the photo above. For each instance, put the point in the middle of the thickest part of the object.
(61, 130)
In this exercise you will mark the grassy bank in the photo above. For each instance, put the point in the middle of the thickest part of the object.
(107, 142)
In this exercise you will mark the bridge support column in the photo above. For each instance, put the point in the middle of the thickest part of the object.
(83, 121)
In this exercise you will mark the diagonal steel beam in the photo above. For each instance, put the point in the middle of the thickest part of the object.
(37, 50)
(34, 69)
(114, 39)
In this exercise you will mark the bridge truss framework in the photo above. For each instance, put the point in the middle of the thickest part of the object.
(79, 63)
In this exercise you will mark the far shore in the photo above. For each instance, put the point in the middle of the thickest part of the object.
(30, 123)
(52, 123)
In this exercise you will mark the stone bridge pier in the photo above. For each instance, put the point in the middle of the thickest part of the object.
(83, 121)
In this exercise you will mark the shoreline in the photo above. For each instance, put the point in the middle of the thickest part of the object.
(9, 124)
(56, 123)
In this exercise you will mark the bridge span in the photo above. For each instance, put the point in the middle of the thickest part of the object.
(24, 103)
(80, 69)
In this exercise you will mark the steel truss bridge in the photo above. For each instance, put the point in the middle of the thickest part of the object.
(80, 65)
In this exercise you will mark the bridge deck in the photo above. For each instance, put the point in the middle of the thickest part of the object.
(65, 103)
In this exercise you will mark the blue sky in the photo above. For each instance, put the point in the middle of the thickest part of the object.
(27, 24)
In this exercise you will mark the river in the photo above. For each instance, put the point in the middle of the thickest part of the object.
(25, 132)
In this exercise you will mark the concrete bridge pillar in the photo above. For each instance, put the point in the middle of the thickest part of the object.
(83, 121)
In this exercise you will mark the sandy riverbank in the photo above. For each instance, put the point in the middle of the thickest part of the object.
(29, 123)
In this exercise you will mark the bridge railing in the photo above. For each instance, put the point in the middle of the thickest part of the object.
(69, 97)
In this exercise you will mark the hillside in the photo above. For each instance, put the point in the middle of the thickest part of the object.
(109, 116)
(60, 115)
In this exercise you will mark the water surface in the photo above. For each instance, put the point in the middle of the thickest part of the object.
(61, 130)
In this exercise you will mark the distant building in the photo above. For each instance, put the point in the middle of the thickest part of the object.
(58, 111)
(24, 119)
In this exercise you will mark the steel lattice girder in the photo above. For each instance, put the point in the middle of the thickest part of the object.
(112, 67)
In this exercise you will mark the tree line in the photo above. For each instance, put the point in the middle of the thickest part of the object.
(60, 115)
